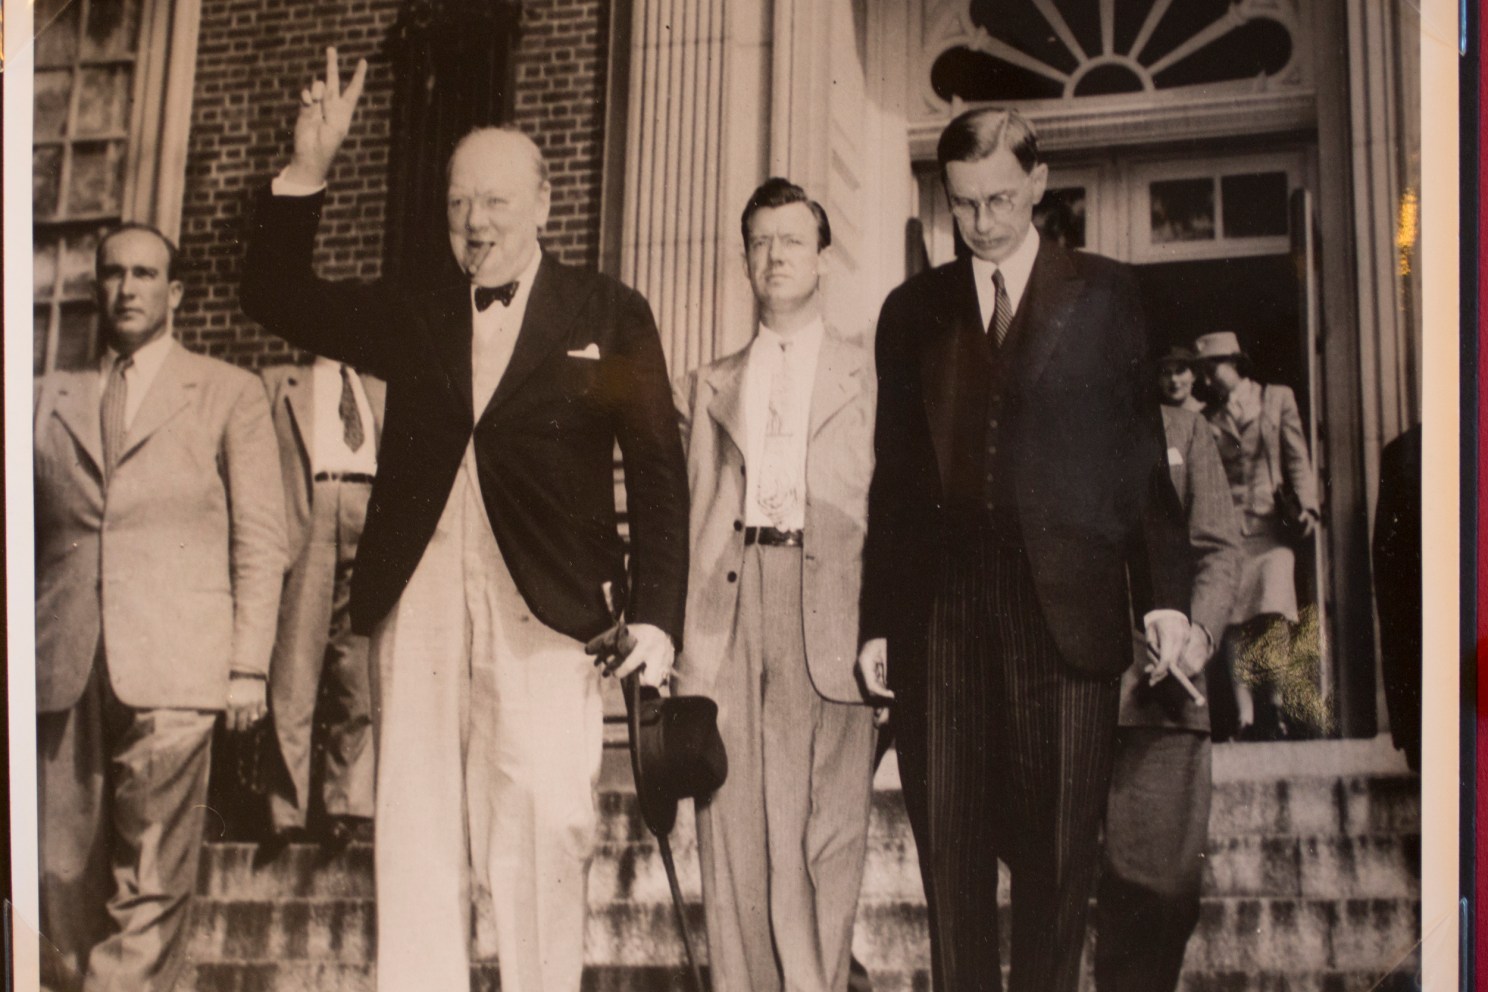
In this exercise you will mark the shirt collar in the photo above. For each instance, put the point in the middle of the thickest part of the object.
(806, 338)
(524, 285)
(1016, 268)
(147, 358)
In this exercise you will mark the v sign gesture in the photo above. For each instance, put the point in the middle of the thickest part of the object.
(325, 117)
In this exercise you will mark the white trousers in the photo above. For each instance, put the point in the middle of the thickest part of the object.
(490, 728)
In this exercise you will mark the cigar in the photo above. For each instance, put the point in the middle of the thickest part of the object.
(1183, 680)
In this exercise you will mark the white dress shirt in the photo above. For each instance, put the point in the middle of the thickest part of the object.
(329, 451)
(1015, 271)
(805, 346)
(494, 336)
(137, 378)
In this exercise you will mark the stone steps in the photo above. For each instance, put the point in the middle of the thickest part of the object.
(1311, 885)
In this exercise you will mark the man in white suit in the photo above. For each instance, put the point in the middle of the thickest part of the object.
(779, 440)
(159, 558)
(328, 419)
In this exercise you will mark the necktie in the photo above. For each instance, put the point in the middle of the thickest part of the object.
(351, 417)
(779, 490)
(1002, 312)
(111, 413)
(486, 295)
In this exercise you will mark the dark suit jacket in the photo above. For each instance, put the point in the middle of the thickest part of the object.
(544, 445)
(1082, 448)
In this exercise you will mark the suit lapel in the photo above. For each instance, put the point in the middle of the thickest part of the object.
(836, 381)
(299, 400)
(451, 334)
(726, 379)
(955, 348)
(551, 307)
(77, 407)
(174, 386)
(1050, 298)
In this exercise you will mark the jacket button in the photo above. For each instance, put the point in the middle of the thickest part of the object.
(733, 576)
(738, 525)
(992, 424)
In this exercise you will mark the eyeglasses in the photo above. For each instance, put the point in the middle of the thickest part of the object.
(999, 205)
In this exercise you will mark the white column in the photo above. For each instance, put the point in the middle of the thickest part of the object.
(693, 138)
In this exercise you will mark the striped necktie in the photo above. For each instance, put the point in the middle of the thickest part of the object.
(351, 417)
(111, 413)
(1002, 313)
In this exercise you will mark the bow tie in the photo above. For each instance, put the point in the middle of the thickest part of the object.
(486, 295)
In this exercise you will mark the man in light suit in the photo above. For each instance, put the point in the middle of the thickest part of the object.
(1157, 820)
(1018, 482)
(328, 419)
(159, 557)
(779, 456)
(491, 531)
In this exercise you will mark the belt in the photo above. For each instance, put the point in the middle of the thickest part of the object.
(774, 537)
(343, 477)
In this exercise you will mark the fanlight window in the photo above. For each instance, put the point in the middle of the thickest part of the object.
(1063, 49)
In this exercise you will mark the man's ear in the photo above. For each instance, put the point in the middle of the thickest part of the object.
(544, 203)
(177, 291)
(1040, 176)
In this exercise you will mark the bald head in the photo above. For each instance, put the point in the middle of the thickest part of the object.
(497, 202)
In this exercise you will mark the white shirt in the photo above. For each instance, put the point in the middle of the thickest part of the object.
(329, 451)
(138, 377)
(805, 347)
(494, 335)
(1015, 271)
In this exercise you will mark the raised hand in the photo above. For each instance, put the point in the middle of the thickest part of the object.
(325, 117)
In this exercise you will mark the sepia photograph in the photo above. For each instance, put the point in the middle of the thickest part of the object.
(736, 495)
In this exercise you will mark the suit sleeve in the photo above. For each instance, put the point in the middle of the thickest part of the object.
(257, 542)
(1213, 533)
(1295, 461)
(904, 486)
(1160, 558)
(350, 322)
(655, 474)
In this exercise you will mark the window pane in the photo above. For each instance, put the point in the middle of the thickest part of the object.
(46, 178)
(103, 105)
(113, 27)
(40, 317)
(44, 269)
(55, 23)
(1060, 216)
(1182, 210)
(75, 336)
(97, 183)
(1255, 204)
(52, 89)
(77, 265)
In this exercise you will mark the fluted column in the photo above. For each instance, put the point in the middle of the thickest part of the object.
(692, 138)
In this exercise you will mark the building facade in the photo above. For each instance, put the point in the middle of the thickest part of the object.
(1257, 161)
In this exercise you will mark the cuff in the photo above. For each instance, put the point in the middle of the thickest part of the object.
(1152, 615)
(285, 187)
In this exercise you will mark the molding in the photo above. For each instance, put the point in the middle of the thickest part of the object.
(1112, 123)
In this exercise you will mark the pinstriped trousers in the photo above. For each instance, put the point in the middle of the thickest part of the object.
(1017, 758)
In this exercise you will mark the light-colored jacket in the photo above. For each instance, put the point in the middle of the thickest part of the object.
(179, 569)
(291, 390)
(839, 467)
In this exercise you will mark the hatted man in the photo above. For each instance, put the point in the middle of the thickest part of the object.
(779, 457)
(159, 557)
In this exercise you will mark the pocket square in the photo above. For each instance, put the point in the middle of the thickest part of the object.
(1175, 457)
(591, 351)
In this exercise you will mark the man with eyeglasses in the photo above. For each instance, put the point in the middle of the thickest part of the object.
(1019, 480)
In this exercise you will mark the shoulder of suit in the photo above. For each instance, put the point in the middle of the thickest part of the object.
(215, 368)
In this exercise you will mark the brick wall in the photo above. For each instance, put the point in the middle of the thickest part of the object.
(253, 58)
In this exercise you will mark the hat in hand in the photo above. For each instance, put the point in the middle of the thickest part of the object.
(675, 751)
